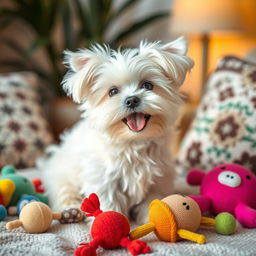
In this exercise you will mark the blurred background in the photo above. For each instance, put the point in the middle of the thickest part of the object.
(34, 33)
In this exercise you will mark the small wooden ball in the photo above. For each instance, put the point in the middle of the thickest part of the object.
(36, 217)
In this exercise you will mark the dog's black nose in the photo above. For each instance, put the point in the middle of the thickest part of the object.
(132, 102)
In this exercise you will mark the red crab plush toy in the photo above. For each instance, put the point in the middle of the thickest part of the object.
(109, 230)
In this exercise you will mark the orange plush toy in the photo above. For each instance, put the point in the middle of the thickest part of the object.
(178, 217)
(109, 230)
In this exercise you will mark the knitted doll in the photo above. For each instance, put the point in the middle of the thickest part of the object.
(109, 230)
(179, 217)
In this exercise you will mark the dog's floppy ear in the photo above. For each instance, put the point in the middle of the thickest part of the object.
(76, 60)
(178, 46)
(83, 70)
(170, 57)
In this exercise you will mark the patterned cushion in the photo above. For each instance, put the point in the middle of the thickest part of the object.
(224, 128)
(24, 132)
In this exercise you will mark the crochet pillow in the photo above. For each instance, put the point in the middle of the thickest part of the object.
(224, 128)
(24, 132)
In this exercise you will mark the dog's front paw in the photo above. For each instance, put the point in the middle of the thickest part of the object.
(71, 215)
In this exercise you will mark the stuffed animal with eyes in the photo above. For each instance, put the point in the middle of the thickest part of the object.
(22, 186)
(179, 217)
(227, 188)
(7, 188)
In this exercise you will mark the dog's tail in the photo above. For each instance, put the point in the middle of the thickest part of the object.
(91, 205)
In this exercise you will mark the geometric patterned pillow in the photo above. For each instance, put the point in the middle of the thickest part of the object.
(224, 128)
(24, 132)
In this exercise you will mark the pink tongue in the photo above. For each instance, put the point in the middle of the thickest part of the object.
(136, 121)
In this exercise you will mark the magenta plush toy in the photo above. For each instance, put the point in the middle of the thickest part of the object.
(227, 188)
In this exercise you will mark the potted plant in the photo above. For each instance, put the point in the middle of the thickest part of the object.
(82, 22)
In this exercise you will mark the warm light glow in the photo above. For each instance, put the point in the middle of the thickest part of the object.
(239, 46)
(204, 16)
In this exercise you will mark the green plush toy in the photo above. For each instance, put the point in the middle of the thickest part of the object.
(22, 186)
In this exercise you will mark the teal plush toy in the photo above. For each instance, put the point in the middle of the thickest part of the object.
(23, 186)
(3, 212)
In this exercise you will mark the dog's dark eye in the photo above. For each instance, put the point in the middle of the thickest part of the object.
(113, 91)
(147, 85)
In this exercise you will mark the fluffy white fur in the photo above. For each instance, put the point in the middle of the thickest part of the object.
(127, 169)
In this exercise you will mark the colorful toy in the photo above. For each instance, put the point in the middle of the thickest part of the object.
(24, 201)
(22, 187)
(38, 185)
(109, 230)
(35, 217)
(227, 188)
(7, 188)
(3, 212)
(178, 217)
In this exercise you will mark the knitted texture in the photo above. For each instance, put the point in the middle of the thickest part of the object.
(91, 205)
(25, 131)
(109, 230)
(185, 210)
(164, 221)
(223, 129)
(61, 240)
(207, 221)
(110, 227)
(142, 230)
(191, 236)
(135, 247)
(173, 217)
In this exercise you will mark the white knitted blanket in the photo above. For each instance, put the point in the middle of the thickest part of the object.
(61, 240)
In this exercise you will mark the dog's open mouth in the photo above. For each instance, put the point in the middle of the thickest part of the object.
(136, 121)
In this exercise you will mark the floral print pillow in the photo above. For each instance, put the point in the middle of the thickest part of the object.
(224, 128)
(24, 132)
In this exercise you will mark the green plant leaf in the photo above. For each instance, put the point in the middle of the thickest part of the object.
(25, 63)
(40, 16)
(83, 17)
(38, 43)
(96, 16)
(69, 35)
(7, 16)
(16, 65)
(19, 65)
(9, 12)
(5, 22)
(137, 26)
(14, 46)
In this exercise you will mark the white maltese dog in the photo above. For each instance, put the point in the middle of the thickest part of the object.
(121, 147)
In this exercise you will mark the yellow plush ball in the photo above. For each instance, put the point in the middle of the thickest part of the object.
(36, 217)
